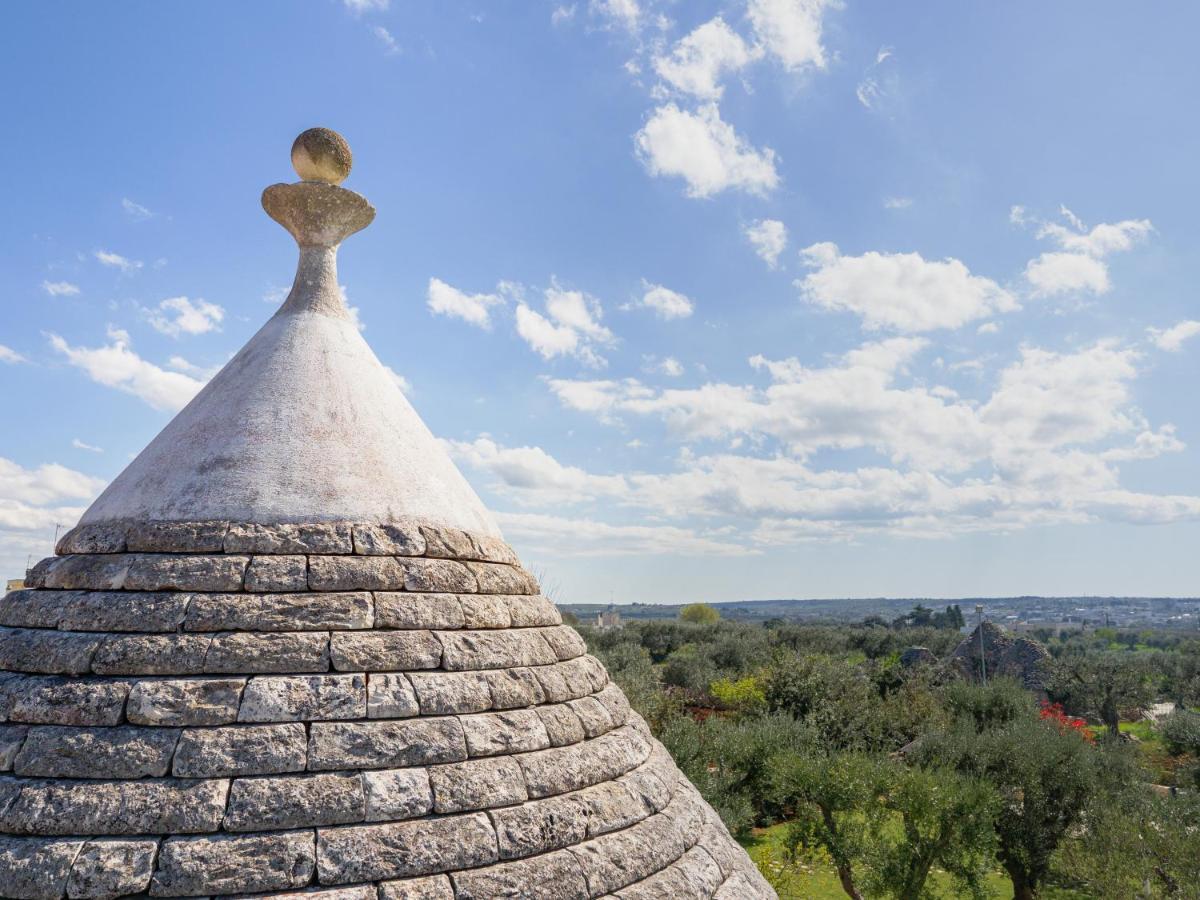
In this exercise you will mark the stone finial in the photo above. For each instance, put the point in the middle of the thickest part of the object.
(321, 154)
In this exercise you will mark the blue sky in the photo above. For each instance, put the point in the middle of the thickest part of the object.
(710, 301)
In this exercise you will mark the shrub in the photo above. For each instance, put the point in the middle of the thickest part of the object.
(1181, 732)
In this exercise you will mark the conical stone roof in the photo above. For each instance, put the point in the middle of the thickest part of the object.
(287, 653)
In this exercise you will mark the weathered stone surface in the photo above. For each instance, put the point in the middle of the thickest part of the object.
(355, 573)
(496, 578)
(152, 654)
(59, 751)
(694, 876)
(33, 609)
(612, 861)
(469, 650)
(654, 780)
(613, 700)
(48, 652)
(447, 693)
(279, 612)
(555, 687)
(325, 537)
(687, 809)
(485, 611)
(530, 611)
(495, 550)
(163, 572)
(395, 610)
(110, 869)
(396, 539)
(432, 887)
(36, 868)
(595, 718)
(362, 892)
(123, 611)
(517, 731)
(477, 784)
(277, 573)
(540, 826)
(11, 739)
(438, 576)
(394, 794)
(240, 750)
(564, 641)
(278, 651)
(62, 701)
(294, 698)
(553, 876)
(233, 864)
(610, 806)
(371, 852)
(95, 573)
(390, 697)
(35, 578)
(101, 537)
(562, 725)
(911, 657)
(165, 806)
(448, 543)
(715, 840)
(584, 674)
(514, 688)
(375, 651)
(563, 769)
(385, 744)
(744, 884)
(1019, 658)
(176, 537)
(185, 701)
(294, 801)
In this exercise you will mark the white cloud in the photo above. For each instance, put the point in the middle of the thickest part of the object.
(622, 13)
(571, 326)
(897, 202)
(667, 365)
(899, 291)
(790, 30)
(665, 303)
(10, 356)
(399, 380)
(988, 328)
(1100, 241)
(1062, 273)
(1172, 339)
(698, 61)
(769, 239)
(474, 309)
(116, 365)
(179, 315)
(33, 502)
(385, 37)
(1079, 265)
(532, 476)
(705, 151)
(80, 445)
(135, 211)
(562, 14)
(116, 261)
(60, 288)
(363, 6)
(565, 536)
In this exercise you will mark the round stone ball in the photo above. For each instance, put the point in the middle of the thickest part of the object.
(321, 154)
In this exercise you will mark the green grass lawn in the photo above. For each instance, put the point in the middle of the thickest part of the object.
(813, 878)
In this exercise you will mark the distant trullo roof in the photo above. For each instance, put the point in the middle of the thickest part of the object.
(287, 653)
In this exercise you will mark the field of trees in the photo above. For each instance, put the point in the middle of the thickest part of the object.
(849, 774)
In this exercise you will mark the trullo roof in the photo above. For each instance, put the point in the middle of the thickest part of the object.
(288, 653)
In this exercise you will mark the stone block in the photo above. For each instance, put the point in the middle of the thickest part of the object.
(279, 612)
(355, 573)
(123, 611)
(362, 892)
(168, 572)
(390, 696)
(110, 869)
(11, 739)
(471, 650)
(152, 654)
(396, 850)
(394, 794)
(531, 611)
(317, 538)
(240, 750)
(92, 573)
(63, 751)
(234, 864)
(610, 806)
(477, 784)
(745, 885)
(35, 578)
(485, 611)
(539, 826)
(444, 542)
(61, 701)
(277, 573)
(101, 537)
(295, 698)
(595, 718)
(555, 687)
(185, 701)
(384, 651)
(496, 578)
(516, 731)
(278, 651)
(46, 652)
(395, 610)
(294, 801)
(36, 868)
(562, 769)
(438, 576)
(514, 688)
(432, 887)
(394, 539)
(448, 693)
(616, 860)
(33, 609)
(161, 806)
(584, 675)
(552, 876)
(613, 699)
(564, 641)
(494, 549)
(176, 537)
(562, 725)
(384, 744)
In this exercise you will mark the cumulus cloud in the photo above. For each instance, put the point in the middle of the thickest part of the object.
(474, 309)
(116, 365)
(564, 536)
(704, 151)
(358, 7)
(790, 30)
(899, 291)
(33, 502)
(10, 356)
(176, 316)
(621, 13)
(532, 476)
(60, 288)
(769, 239)
(116, 261)
(1078, 266)
(667, 365)
(698, 61)
(1172, 339)
(570, 327)
(664, 302)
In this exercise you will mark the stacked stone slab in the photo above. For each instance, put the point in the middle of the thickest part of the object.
(343, 709)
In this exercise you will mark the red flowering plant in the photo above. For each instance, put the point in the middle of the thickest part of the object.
(1053, 712)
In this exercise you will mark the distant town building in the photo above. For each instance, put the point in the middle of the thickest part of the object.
(14, 584)
(610, 618)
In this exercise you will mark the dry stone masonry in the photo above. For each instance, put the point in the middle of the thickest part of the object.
(282, 699)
